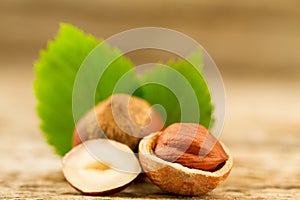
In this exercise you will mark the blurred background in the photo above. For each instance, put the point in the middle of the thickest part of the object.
(255, 44)
(242, 36)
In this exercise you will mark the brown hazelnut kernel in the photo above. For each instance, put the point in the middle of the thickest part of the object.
(190, 145)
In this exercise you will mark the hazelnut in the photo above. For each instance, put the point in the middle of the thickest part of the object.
(122, 118)
(175, 161)
(190, 145)
(100, 167)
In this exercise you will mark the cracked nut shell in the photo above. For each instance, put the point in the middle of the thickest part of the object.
(176, 178)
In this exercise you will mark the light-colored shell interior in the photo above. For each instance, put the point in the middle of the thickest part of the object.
(100, 165)
(176, 178)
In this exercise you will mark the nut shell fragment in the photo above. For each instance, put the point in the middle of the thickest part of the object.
(176, 178)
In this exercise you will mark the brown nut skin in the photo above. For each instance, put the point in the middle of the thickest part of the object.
(191, 145)
(122, 118)
(176, 178)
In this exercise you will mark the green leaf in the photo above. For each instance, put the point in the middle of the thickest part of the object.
(184, 94)
(196, 60)
(181, 90)
(56, 71)
(99, 77)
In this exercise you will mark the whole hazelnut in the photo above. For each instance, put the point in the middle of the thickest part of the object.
(122, 118)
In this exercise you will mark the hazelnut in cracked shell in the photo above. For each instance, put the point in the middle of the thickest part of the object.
(174, 161)
(122, 118)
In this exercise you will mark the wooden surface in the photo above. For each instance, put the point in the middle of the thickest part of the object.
(256, 45)
(261, 130)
